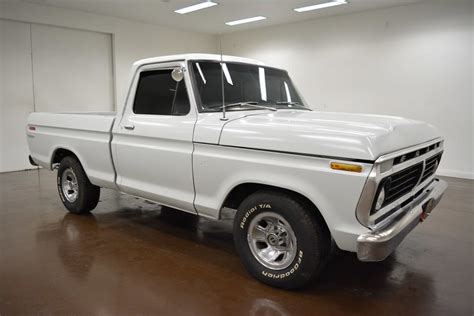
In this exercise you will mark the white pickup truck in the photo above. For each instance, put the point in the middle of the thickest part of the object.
(201, 132)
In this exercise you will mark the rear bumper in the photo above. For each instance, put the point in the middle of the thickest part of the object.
(379, 244)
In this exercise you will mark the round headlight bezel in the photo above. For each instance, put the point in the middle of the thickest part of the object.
(380, 199)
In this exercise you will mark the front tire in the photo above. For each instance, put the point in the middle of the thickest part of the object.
(77, 193)
(279, 239)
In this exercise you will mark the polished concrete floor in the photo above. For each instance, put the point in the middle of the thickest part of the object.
(131, 258)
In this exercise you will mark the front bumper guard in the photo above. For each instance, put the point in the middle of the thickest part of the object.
(379, 244)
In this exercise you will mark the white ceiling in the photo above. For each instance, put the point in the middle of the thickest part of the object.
(212, 20)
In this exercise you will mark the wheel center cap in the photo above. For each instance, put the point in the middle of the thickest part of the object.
(272, 239)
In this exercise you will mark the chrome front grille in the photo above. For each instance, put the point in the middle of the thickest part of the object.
(399, 184)
(402, 175)
(402, 182)
(431, 165)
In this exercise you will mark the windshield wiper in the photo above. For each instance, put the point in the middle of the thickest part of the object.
(244, 104)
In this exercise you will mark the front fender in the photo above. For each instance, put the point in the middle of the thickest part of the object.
(219, 169)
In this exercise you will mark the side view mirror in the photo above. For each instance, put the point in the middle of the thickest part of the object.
(177, 74)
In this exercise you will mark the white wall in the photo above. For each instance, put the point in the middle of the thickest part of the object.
(414, 61)
(89, 46)
(72, 69)
(49, 68)
(16, 89)
(131, 40)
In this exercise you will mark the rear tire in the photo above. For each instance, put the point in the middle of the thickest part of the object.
(77, 193)
(280, 240)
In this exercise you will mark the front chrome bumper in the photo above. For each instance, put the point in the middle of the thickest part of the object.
(379, 244)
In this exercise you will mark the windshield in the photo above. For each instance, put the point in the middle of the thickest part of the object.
(245, 87)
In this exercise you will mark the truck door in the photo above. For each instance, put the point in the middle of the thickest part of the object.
(152, 144)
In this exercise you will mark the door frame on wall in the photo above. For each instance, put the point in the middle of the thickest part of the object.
(34, 105)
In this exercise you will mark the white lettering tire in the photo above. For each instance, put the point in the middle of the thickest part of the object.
(280, 240)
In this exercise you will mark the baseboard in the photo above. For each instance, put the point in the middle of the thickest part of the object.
(27, 169)
(455, 174)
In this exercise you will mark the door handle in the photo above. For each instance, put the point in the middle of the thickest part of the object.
(129, 127)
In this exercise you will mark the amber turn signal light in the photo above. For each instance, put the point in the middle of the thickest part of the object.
(346, 167)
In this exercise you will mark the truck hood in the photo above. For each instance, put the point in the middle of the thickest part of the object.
(344, 135)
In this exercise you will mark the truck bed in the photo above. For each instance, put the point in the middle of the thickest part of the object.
(87, 134)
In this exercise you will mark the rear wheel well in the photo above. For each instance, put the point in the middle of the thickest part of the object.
(240, 192)
(60, 153)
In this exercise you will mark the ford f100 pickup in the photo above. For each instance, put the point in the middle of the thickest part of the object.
(201, 132)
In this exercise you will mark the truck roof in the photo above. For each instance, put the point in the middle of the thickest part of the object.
(186, 57)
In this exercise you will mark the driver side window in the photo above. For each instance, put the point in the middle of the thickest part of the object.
(158, 94)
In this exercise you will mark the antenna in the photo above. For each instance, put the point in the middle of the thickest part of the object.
(223, 118)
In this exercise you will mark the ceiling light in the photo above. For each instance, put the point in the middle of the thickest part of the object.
(199, 6)
(321, 6)
(248, 20)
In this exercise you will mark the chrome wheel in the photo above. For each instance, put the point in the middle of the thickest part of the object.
(69, 185)
(272, 240)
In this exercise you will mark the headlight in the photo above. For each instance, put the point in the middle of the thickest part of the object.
(380, 199)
